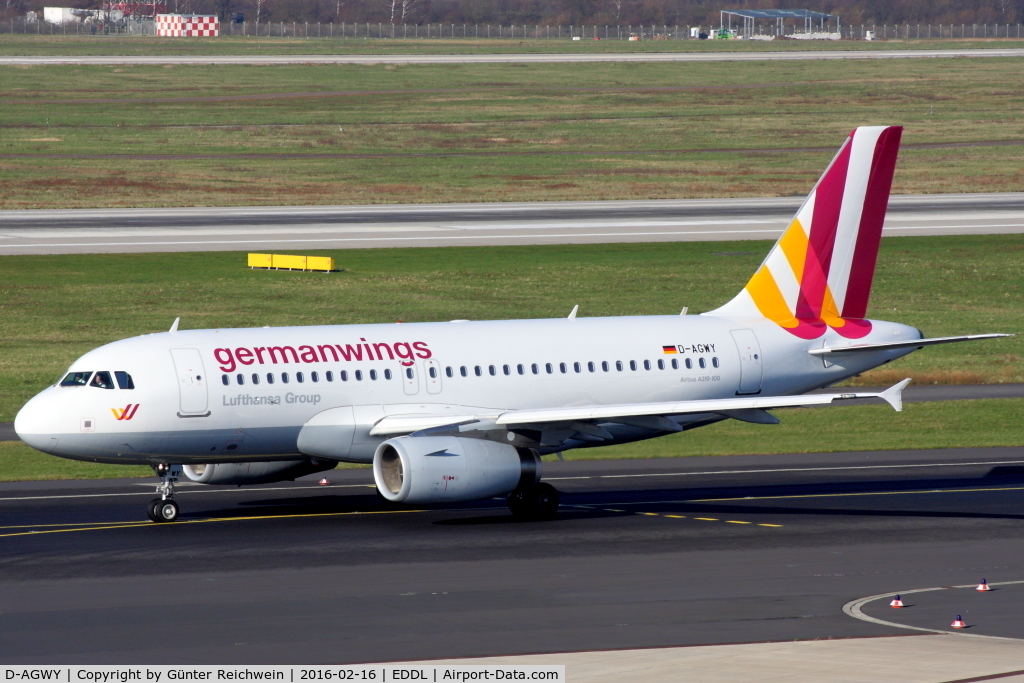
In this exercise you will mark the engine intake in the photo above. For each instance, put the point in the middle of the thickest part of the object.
(444, 469)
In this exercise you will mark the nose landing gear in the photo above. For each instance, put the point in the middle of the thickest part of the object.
(536, 503)
(164, 509)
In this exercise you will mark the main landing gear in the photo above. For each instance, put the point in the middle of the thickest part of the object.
(538, 502)
(164, 509)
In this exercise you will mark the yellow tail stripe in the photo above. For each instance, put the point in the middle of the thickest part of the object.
(794, 245)
(769, 299)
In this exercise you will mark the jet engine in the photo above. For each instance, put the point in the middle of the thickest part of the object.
(445, 469)
(239, 473)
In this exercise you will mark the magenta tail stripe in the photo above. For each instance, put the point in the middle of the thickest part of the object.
(869, 236)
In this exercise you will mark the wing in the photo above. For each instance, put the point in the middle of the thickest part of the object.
(587, 419)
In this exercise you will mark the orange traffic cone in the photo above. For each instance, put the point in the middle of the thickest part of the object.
(896, 602)
(983, 586)
(324, 482)
(959, 623)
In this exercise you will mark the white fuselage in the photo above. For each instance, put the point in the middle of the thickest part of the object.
(235, 395)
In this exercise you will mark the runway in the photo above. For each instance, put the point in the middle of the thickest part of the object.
(436, 225)
(509, 58)
(645, 553)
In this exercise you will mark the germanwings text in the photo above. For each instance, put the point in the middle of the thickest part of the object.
(405, 352)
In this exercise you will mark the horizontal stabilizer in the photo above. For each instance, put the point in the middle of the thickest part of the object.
(911, 344)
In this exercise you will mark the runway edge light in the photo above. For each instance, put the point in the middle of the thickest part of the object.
(896, 602)
(983, 586)
(958, 623)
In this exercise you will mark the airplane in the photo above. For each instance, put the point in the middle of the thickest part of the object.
(457, 411)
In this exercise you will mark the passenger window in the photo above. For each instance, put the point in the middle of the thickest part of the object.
(702, 363)
(387, 374)
(689, 364)
(520, 369)
(344, 375)
(102, 380)
(448, 371)
(604, 365)
(675, 363)
(714, 361)
(329, 376)
(506, 369)
(373, 375)
(124, 380)
(563, 368)
(632, 365)
(433, 373)
(284, 378)
(463, 371)
(547, 366)
(270, 378)
(299, 377)
(240, 378)
(359, 375)
(76, 379)
(618, 365)
(255, 378)
(477, 370)
(661, 364)
(535, 369)
(490, 369)
(315, 377)
(225, 380)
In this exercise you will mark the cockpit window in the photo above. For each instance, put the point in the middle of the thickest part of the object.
(102, 380)
(76, 379)
(124, 380)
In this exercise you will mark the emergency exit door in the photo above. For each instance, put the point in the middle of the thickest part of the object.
(750, 361)
(188, 365)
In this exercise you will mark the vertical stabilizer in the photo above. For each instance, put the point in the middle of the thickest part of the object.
(819, 273)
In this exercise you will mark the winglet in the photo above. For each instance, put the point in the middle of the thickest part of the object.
(894, 395)
(572, 316)
(174, 325)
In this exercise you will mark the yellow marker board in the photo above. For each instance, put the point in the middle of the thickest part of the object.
(286, 262)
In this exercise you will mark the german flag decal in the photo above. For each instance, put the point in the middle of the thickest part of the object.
(669, 349)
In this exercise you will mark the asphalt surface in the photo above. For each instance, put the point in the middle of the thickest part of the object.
(334, 227)
(515, 58)
(644, 553)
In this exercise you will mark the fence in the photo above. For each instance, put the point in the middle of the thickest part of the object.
(378, 31)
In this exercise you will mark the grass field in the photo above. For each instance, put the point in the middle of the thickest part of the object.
(76, 45)
(54, 308)
(88, 136)
(954, 424)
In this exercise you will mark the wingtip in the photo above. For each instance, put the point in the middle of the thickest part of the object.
(894, 395)
(174, 325)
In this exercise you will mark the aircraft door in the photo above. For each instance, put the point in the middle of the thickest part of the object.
(188, 364)
(432, 376)
(750, 361)
(410, 379)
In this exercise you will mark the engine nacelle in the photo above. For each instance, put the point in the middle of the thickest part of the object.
(240, 473)
(448, 469)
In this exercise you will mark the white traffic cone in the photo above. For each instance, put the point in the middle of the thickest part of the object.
(959, 623)
(324, 482)
(983, 586)
(896, 602)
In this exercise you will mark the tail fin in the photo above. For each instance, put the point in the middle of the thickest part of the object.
(819, 273)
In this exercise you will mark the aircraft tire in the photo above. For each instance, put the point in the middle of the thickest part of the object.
(545, 501)
(166, 511)
(151, 509)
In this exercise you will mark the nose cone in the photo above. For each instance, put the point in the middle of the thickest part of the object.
(35, 425)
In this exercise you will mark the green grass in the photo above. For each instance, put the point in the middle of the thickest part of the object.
(99, 136)
(55, 308)
(78, 45)
(953, 424)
